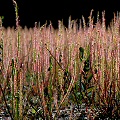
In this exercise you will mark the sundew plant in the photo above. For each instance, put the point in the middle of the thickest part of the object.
(70, 72)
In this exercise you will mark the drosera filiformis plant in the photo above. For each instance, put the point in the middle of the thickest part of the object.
(48, 74)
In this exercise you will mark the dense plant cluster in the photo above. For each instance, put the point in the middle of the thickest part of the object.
(71, 72)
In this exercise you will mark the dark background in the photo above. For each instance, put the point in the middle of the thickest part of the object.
(31, 11)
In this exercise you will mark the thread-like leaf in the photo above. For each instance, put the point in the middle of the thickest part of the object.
(89, 78)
